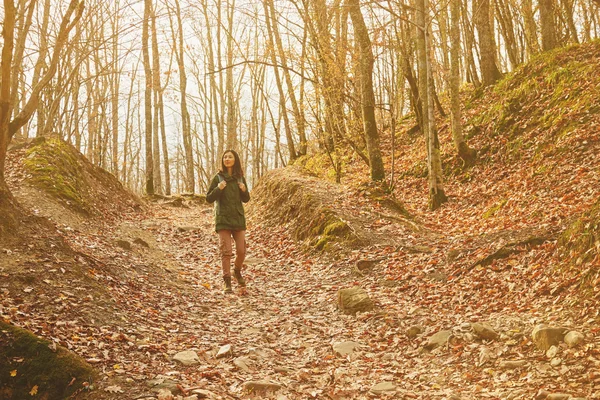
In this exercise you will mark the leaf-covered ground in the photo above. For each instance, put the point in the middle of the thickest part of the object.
(164, 297)
(128, 290)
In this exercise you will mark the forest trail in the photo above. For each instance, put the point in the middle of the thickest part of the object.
(288, 340)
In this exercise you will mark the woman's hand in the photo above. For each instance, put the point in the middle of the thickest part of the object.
(242, 186)
(222, 185)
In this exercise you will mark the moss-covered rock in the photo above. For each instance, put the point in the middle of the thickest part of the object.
(33, 368)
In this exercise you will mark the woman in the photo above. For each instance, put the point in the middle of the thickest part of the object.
(228, 189)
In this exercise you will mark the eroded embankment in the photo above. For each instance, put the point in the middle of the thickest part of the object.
(325, 215)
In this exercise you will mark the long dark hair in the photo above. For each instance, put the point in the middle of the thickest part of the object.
(237, 165)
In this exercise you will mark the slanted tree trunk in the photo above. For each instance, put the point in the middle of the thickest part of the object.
(282, 97)
(297, 111)
(366, 91)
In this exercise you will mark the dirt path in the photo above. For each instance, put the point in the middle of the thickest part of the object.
(284, 330)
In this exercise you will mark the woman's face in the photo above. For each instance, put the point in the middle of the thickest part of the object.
(228, 160)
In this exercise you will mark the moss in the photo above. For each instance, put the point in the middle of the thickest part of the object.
(27, 361)
(337, 228)
(494, 209)
(580, 243)
(55, 168)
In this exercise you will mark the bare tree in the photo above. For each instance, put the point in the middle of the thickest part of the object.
(9, 127)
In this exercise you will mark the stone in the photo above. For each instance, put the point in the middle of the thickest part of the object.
(141, 242)
(163, 383)
(414, 331)
(204, 394)
(345, 348)
(555, 362)
(243, 363)
(558, 396)
(552, 352)
(544, 336)
(164, 394)
(574, 338)
(541, 395)
(438, 339)
(353, 300)
(188, 357)
(513, 364)
(261, 387)
(224, 351)
(124, 244)
(484, 331)
(383, 387)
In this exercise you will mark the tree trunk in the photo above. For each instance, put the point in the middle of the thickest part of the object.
(8, 128)
(282, 99)
(148, 98)
(531, 37)
(434, 164)
(464, 152)
(178, 47)
(298, 114)
(547, 24)
(487, 47)
(366, 89)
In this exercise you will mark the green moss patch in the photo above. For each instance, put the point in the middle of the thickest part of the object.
(60, 170)
(56, 169)
(535, 110)
(31, 369)
(289, 196)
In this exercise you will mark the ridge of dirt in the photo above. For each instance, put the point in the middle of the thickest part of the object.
(328, 216)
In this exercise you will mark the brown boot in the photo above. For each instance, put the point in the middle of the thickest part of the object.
(238, 277)
(227, 287)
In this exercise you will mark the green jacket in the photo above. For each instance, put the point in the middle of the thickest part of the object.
(229, 211)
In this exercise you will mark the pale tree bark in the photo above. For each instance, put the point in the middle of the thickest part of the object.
(116, 84)
(464, 152)
(178, 48)
(25, 16)
(568, 11)
(469, 39)
(547, 24)
(530, 27)
(507, 29)
(232, 134)
(40, 65)
(487, 46)
(216, 95)
(366, 91)
(434, 164)
(148, 97)
(156, 90)
(296, 109)
(282, 97)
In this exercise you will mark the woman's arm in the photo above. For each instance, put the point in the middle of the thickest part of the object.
(214, 193)
(244, 194)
